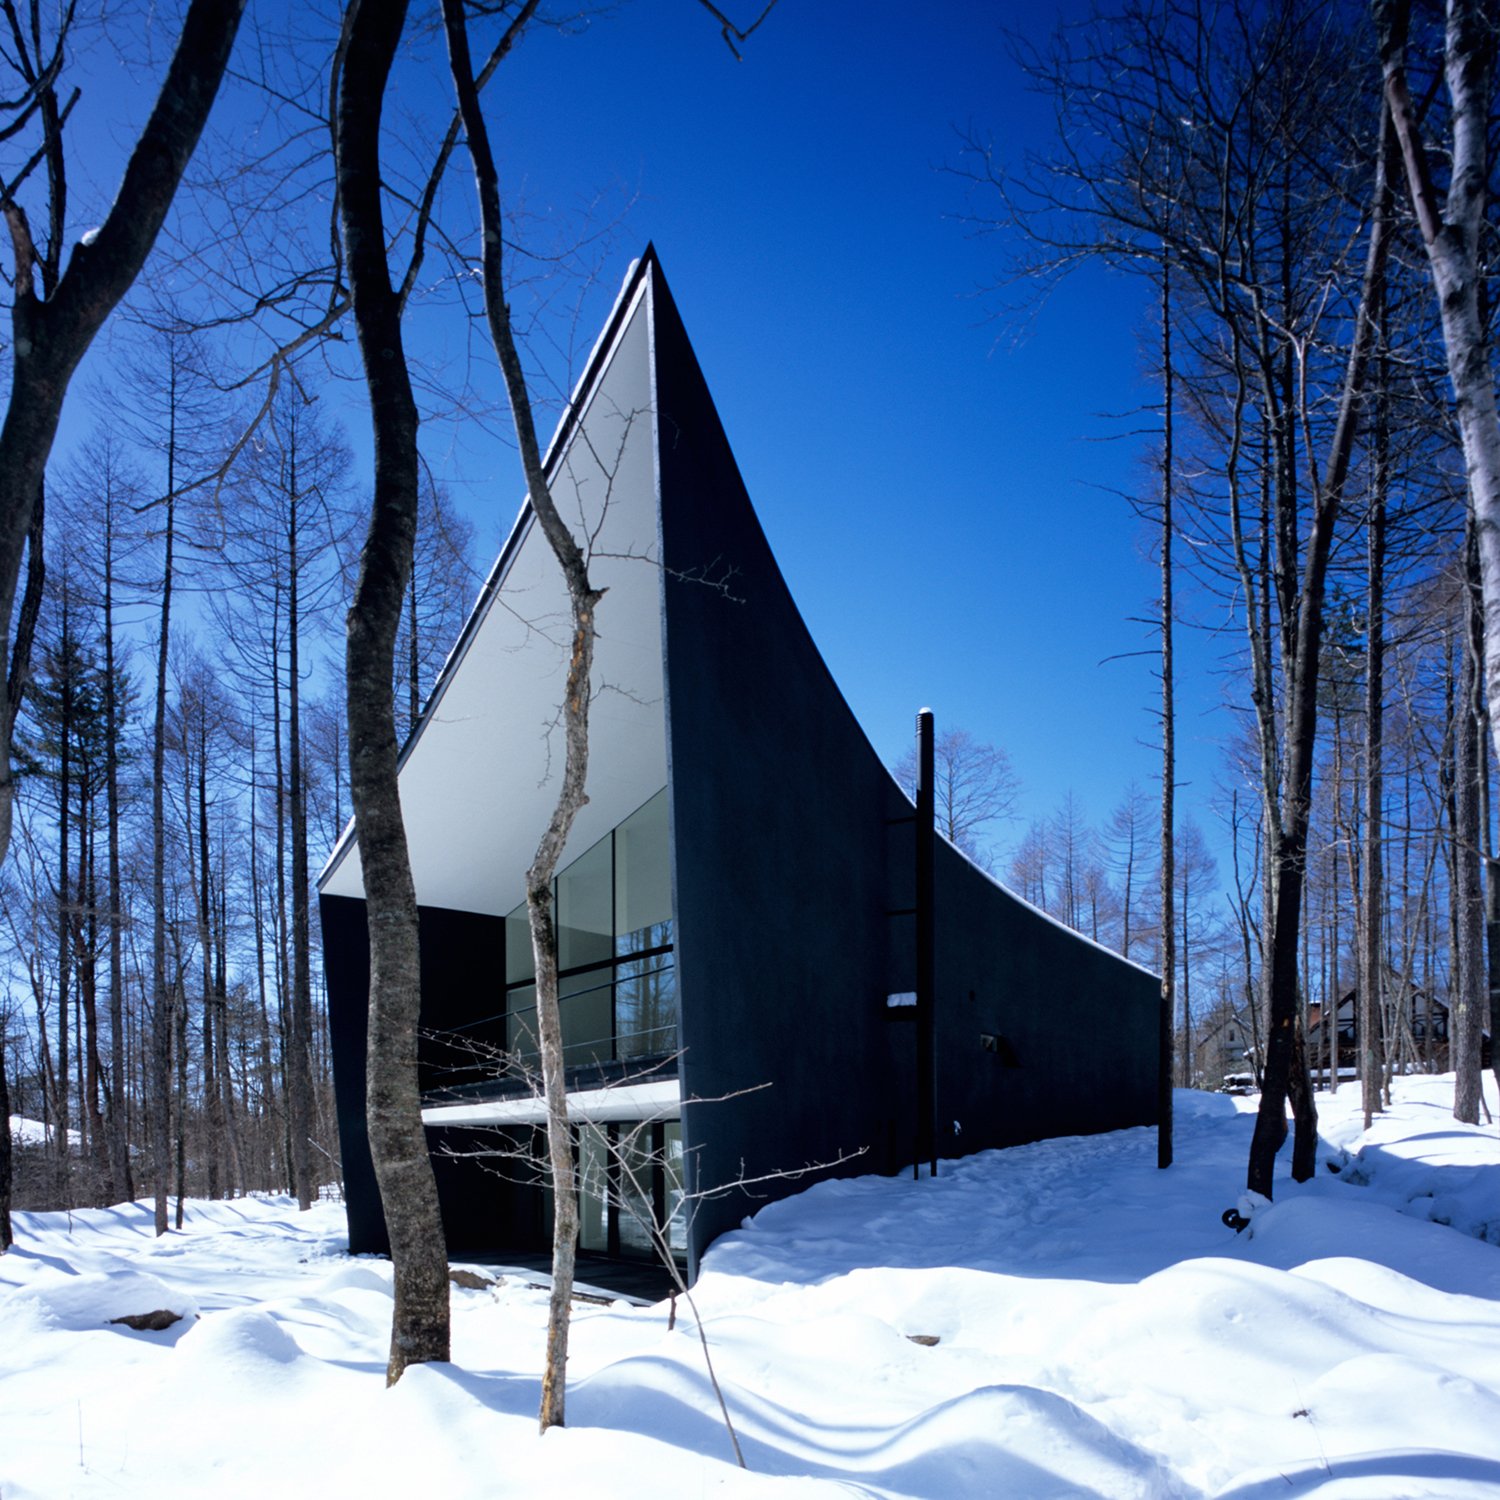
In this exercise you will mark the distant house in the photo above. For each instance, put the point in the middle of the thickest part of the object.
(738, 908)
(1224, 1048)
(1420, 1032)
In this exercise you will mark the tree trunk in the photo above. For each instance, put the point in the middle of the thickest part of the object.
(63, 1112)
(583, 600)
(17, 673)
(7, 1237)
(1287, 831)
(1371, 971)
(86, 938)
(1469, 990)
(283, 955)
(413, 660)
(299, 1065)
(419, 1330)
(161, 1025)
(268, 1102)
(235, 1179)
(1168, 745)
(1451, 234)
(119, 1137)
(180, 1016)
(214, 1145)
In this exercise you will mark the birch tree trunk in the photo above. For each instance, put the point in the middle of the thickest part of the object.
(1451, 234)
(7, 1237)
(583, 599)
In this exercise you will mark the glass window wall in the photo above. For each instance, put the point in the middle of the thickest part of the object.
(593, 1191)
(637, 1169)
(616, 981)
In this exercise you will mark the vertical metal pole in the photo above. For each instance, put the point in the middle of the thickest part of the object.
(925, 839)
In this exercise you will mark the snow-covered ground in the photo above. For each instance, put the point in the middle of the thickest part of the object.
(1098, 1332)
(25, 1132)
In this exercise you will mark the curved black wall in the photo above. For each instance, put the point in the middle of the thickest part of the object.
(793, 850)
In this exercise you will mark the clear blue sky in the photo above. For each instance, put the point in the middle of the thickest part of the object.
(939, 486)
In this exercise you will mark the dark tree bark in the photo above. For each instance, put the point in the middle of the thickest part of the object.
(180, 1029)
(283, 954)
(67, 681)
(1288, 827)
(299, 1062)
(419, 1330)
(268, 1096)
(119, 1149)
(212, 1098)
(161, 990)
(1468, 990)
(1371, 967)
(1168, 753)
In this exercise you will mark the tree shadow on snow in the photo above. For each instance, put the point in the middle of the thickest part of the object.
(1446, 1468)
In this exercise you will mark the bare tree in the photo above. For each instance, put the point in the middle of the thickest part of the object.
(1467, 985)
(1168, 844)
(441, 588)
(408, 1191)
(583, 600)
(1452, 227)
(976, 787)
(57, 310)
(1125, 837)
(1194, 874)
(1032, 864)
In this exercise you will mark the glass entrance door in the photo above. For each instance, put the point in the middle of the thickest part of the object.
(630, 1185)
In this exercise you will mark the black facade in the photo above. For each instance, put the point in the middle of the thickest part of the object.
(793, 889)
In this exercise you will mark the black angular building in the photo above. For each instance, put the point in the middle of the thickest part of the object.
(741, 901)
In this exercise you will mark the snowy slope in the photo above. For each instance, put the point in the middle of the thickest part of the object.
(1098, 1333)
(26, 1132)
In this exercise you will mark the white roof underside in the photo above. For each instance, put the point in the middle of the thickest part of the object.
(621, 1102)
(480, 778)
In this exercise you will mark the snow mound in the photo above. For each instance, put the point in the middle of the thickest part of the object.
(1015, 1440)
(241, 1342)
(1299, 1230)
(28, 1132)
(359, 1276)
(90, 1301)
(1379, 1391)
(994, 1440)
